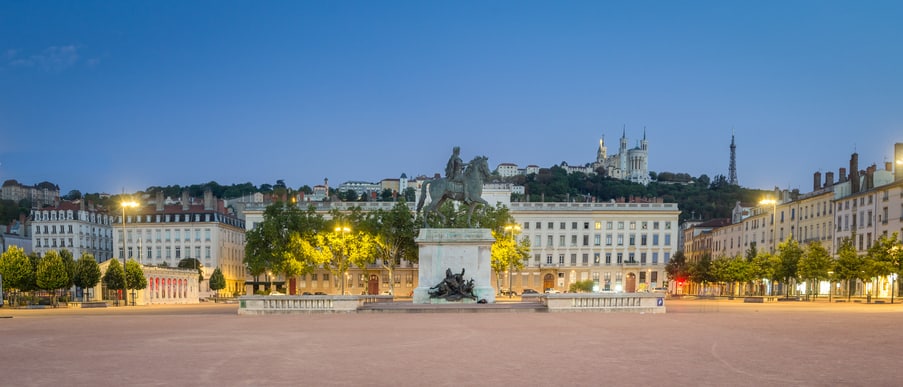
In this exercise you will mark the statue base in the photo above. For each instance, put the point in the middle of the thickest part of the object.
(443, 249)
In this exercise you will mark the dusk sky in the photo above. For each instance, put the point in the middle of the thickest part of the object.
(105, 96)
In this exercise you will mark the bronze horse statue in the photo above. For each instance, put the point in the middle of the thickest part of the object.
(468, 191)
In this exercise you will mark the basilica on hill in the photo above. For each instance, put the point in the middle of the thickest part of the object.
(627, 164)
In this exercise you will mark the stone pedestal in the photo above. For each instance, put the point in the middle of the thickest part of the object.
(455, 248)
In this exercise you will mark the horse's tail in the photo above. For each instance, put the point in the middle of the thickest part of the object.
(422, 196)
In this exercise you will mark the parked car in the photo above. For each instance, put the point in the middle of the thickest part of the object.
(508, 292)
(528, 291)
(552, 291)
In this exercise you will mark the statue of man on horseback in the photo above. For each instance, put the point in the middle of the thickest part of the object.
(462, 182)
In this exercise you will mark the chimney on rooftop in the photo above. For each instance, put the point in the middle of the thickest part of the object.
(854, 173)
(185, 202)
(829, 179)
(816, 181)
(159, 201)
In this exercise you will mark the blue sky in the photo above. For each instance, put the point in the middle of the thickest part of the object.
(105, 96)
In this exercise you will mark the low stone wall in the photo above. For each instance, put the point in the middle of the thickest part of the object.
(304, 304)
(605, 302)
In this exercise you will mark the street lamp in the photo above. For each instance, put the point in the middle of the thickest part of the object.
(126, 204)
(774, 215)
(512, 229)
(343, 230)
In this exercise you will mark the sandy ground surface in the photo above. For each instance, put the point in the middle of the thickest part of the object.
(698, 343)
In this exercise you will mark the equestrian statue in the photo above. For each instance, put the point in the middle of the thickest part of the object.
(462, 182)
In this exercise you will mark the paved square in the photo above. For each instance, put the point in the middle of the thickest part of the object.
(708, 343)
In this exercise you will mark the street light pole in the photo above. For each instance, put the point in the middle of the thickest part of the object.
(512, 228)
(343, 231)
(124, 290)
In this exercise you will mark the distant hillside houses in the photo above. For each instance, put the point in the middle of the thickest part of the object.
(628, 164)
(40, 195)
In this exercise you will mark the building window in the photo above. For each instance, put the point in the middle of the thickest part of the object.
(561, 226)
(620, 258)
(586, 258)
(597, 240)
(178, 252)
(655, 239)
(595, 258)
(655, 258)
(549, 259)
(538, 225)
(620, 239)
(632, 239)
(598, 225)
(207, 252)
(561, 259)
(586, 240)
(667, 239)
(643, 240)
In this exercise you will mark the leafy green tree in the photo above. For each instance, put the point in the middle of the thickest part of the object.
(882, 257)
(677, 267)
(849, 266)
(192, 263)
(16, 269)
(51, 274)
(87, 273)
(114, 277)
(815, 264)
(217, 281)
(393, 237)
(765, 266)
(701, 270)
(338, 251)
(274, 244)
(789, 253)
(69, 263)
(134, 277)
(504, 256)
(585, 286)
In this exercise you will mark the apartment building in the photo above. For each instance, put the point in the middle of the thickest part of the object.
(74, 226)
(164, 234)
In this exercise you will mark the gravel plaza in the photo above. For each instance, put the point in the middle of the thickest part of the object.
(698, 342)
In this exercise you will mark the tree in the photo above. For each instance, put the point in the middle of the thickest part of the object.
(765, 266)
(217, 281)
(134, 277)
(73, 195)
(273, 245)
(393, 236)
(882, 257)
(814, 265)
(701, 270)
(192, 263)
(585, 286)
(849, 266)
(87, 274)
(16, 269)
(789, 253)
(69, 263)
(51, 274)
(114, 277)
(338, 251)
(677, 268)
(504, 256)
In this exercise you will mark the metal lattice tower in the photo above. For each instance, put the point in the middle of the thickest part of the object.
(732, 174)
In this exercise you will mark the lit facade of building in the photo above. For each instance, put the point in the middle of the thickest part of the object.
(161, 234)
(73, 227)
(619, 246)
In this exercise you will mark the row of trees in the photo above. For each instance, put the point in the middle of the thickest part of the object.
(56, 271)
(792, 264)
(292, 241)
